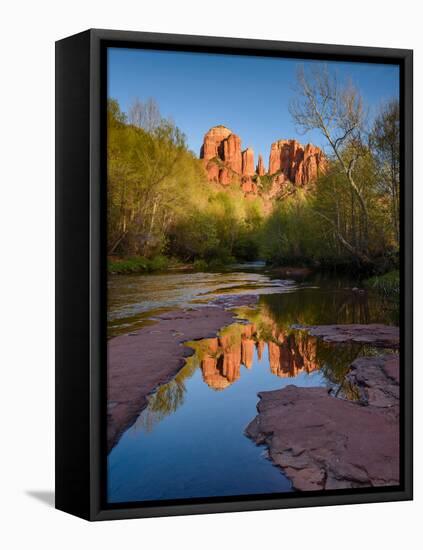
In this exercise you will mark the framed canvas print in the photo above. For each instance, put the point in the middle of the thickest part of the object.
(234, 274)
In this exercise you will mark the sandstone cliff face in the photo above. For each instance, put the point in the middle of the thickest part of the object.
(232, 153)
(298, 164)
(248, 162)
(260, 166)
(212, 145)
(221, 152)
(289, 161)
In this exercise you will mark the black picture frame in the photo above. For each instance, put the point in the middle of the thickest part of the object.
(81, 270)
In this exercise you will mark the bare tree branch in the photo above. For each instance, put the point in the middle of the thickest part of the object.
(337, 112)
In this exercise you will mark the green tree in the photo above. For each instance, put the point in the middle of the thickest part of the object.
(146, 172)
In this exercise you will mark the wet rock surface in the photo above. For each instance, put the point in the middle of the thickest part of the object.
(140, 361)
(324, 442)
(376, 380)
(377, 335)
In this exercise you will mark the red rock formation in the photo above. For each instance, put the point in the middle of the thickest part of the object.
(225, 176)
(298, 164)
(232, 153)
(221, 152)
(260, 166)
(275, 160)
(289, 161)
(248, 186)
(213, 171)
(212, 142)
(248, 162)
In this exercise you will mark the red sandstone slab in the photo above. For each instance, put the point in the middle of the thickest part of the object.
(377, 335)
(322, 442)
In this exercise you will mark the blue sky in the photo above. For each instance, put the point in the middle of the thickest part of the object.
(249, 95)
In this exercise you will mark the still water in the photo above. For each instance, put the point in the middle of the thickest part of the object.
(189, 442)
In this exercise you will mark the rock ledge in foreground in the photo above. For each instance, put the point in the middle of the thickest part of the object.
(322, 442)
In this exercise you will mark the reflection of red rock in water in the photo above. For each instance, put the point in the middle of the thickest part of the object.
(289, 354)
(213, 373)
(230, 359)
(221, 369)
(247, 352)
(295, 354)
(260, 348)
(307, 349)
(221, 363)
(149, 357)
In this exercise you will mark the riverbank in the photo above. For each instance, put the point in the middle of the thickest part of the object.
(165, 264)
(137, 264)
(388, 284)
(142, 360)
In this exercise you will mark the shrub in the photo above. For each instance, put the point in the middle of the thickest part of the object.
(200, 265)
(138, 264)
(387, 284)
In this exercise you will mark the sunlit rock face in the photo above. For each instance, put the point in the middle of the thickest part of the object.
(221, 152)
(212, 145)
(248, 162)
(232, 153)
(261, 170)
(298, 164)
(289, 161)
(248, 185)
(225, 176)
